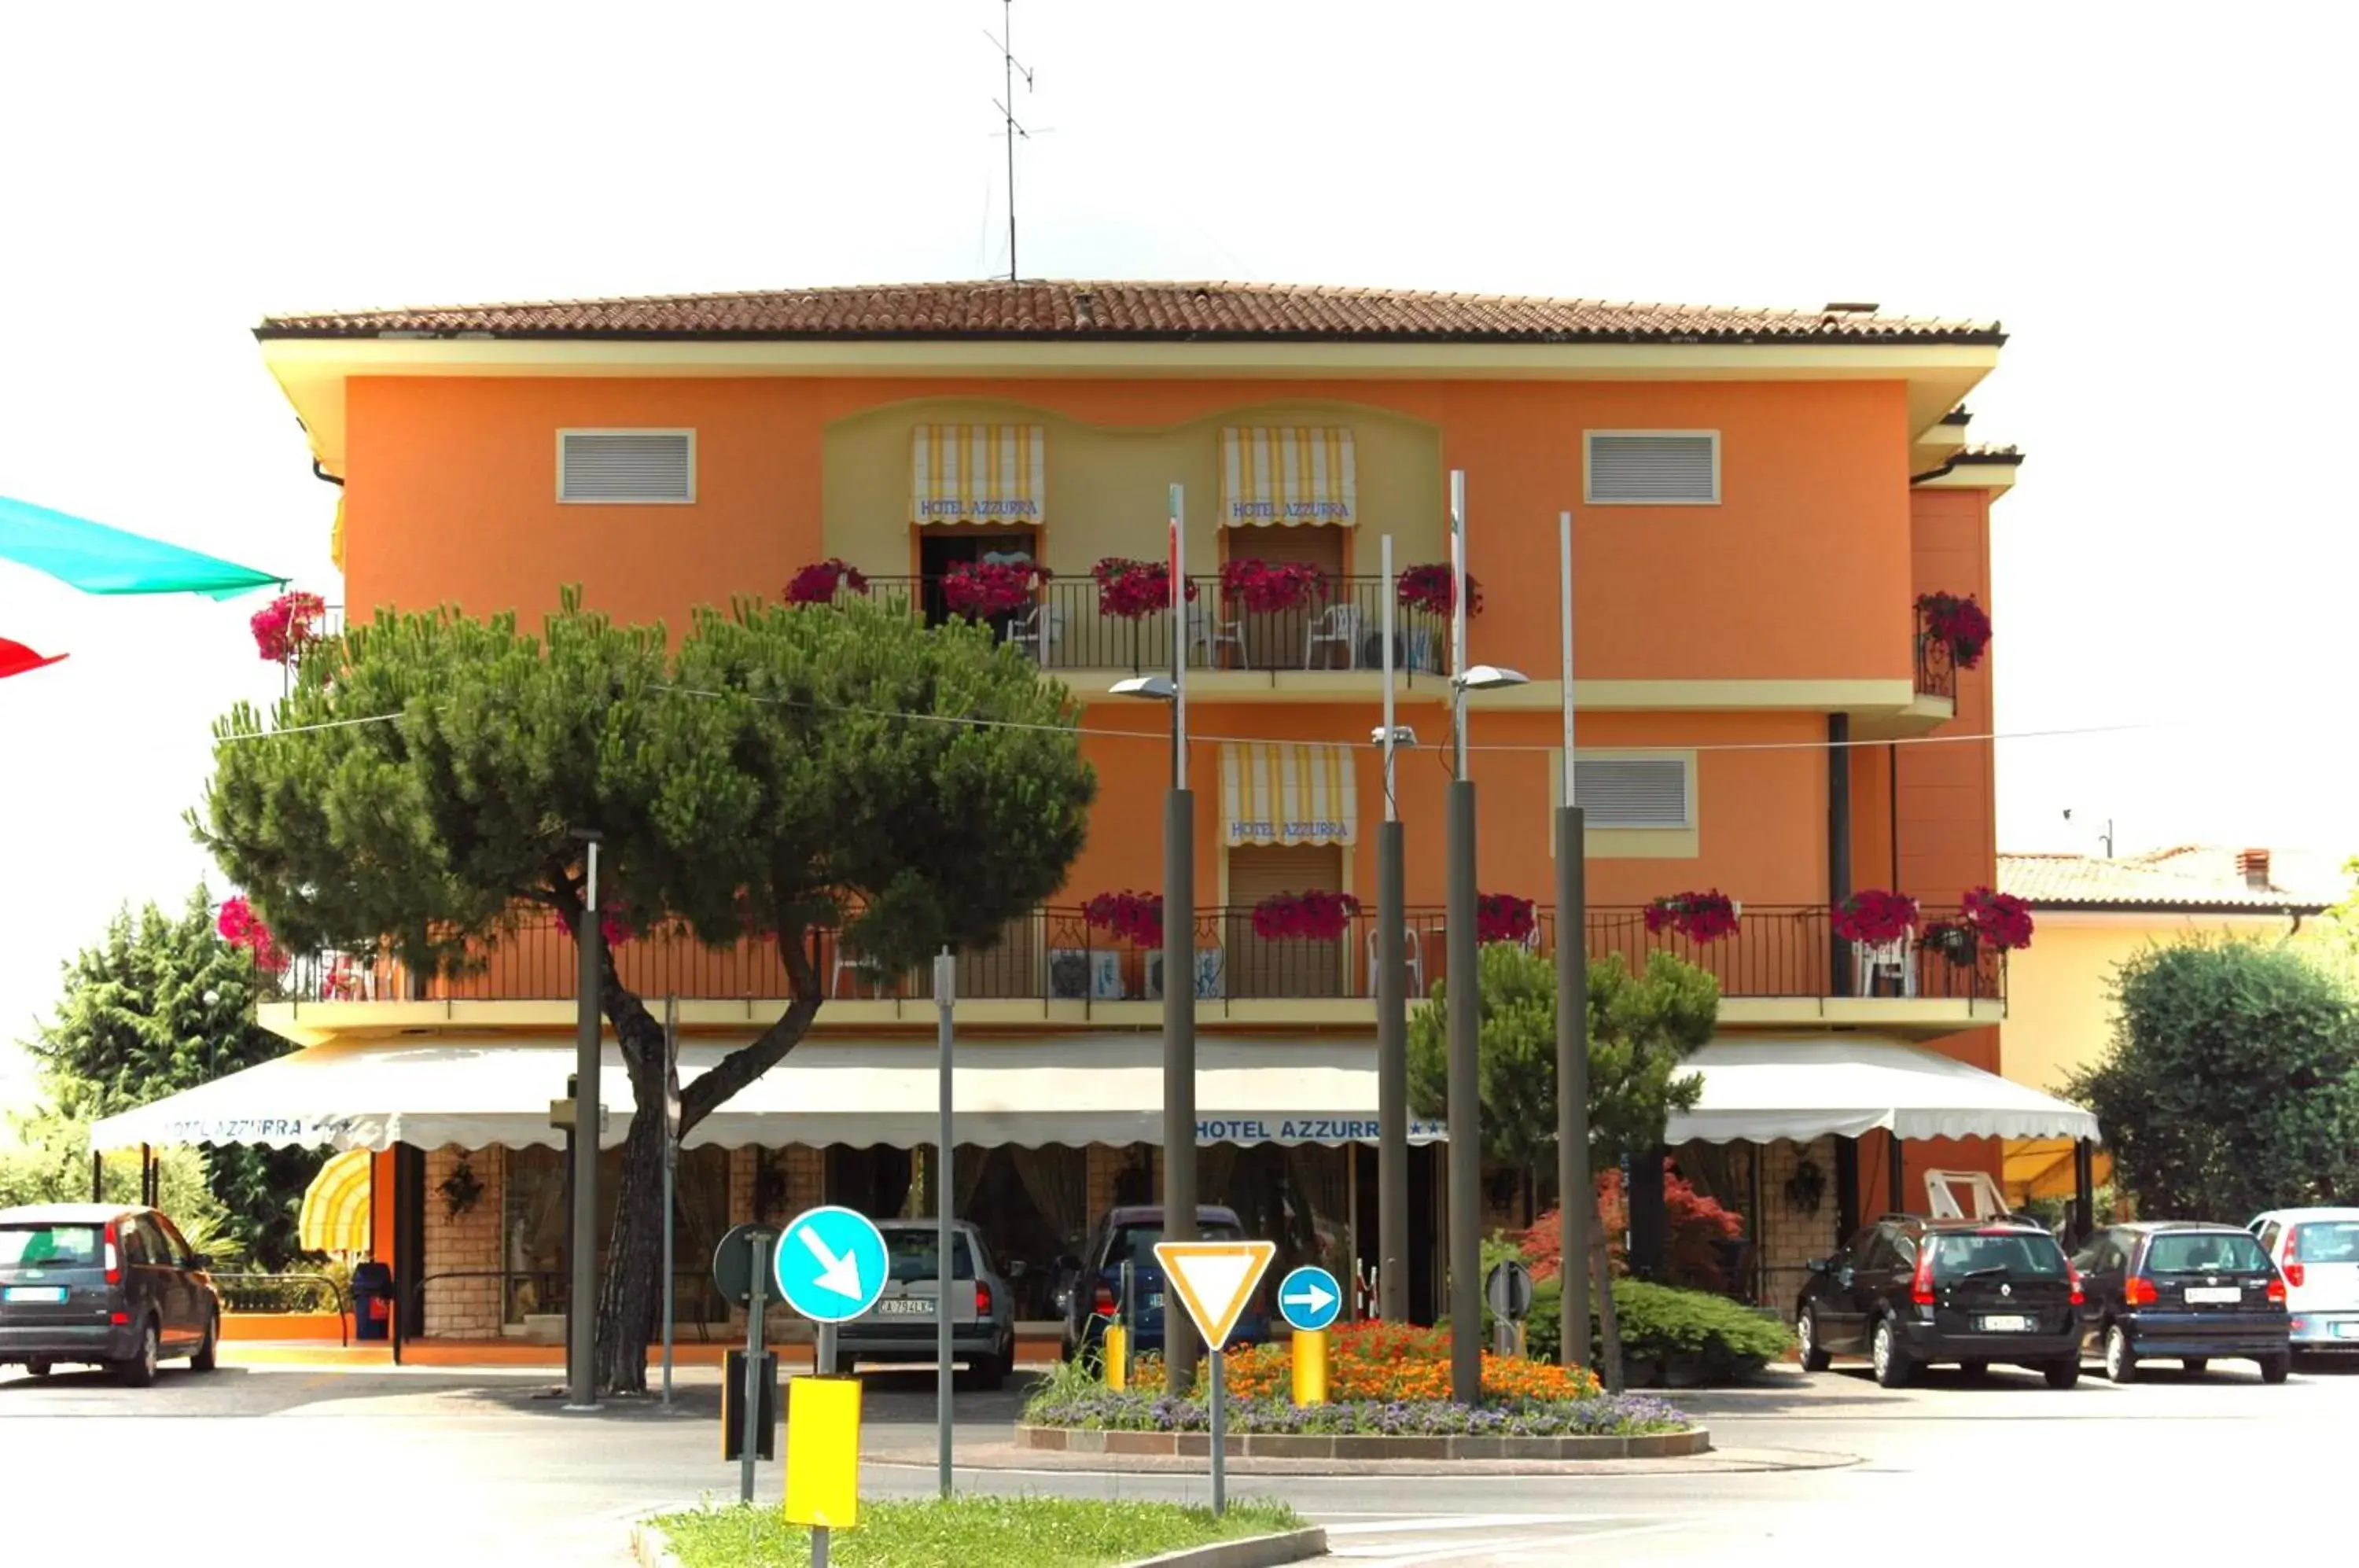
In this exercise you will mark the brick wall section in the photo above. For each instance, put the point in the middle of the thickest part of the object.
(1790, 1237)
(806, 1178)
(471, 1308)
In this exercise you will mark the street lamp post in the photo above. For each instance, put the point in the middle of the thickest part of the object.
(1576, 1206)
(1464, 1015)
(1179, 1349)
(582, 1311)
(1392, 1009)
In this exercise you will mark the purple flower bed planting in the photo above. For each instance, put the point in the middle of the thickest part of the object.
(1105, 1410)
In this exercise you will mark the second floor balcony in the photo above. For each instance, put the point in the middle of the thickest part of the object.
(1318, 623)
(1783, 964)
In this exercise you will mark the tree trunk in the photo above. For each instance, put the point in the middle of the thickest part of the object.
(630, 1295)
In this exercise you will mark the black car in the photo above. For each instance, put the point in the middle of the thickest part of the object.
(106, 1285)
(1089, 1287)
(2187, 1291)
(1910, 1293)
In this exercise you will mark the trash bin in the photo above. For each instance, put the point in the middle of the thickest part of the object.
(372, 1300)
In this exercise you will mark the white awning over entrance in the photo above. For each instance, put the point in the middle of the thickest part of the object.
(1069, 1089)
(1803, 1087)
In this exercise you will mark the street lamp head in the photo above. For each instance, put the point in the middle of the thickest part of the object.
(1159, 687)
(1489, 677)
(1400, 734)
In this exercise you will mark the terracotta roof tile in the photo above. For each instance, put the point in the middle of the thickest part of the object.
(2187, 877)
(1136, 310)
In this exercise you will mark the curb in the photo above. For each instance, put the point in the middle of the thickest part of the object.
(1361, 1448)
(647, 1548)
(649, 1551)
(1253, 1552)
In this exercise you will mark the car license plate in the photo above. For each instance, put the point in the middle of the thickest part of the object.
(36, 1292)
(2004, 1322)
(2347, 1331)
(2203, 1295)
(906, 1307)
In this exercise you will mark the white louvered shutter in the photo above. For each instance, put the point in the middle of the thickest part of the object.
(646, 466)
(1639, 469)
(1632, 791)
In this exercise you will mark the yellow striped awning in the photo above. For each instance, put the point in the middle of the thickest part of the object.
(1287, 477)
(1288, 794)
(336, 1205)
(978, 474)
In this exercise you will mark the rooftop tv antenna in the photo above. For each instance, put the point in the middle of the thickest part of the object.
(2107, 836)
(1010, 68)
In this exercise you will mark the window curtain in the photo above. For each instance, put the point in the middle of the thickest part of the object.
(1056, 1180)
(968, 1164)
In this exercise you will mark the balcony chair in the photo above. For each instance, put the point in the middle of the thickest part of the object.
(1040, 628)
(1209, 630)
(857, 964)
(1338, 625)
(1412, 959)
(1897, 958)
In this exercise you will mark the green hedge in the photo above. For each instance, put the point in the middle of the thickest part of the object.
(1667, 1334)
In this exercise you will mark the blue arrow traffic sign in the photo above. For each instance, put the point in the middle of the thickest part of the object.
(830, 1263)
(1308, 1300)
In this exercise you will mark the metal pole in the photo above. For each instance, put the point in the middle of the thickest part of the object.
(582, 1311)
(671, 1184)
(1220, 1431)
(1463, 1016)
(1180, 1349)
(1576, 1202)
(749, 1426)
(945, 1274)
(1392, 1017)
(97, 1178)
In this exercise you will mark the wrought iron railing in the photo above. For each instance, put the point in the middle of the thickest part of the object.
(286, 1294)
(1055, 955)
(1338, 624)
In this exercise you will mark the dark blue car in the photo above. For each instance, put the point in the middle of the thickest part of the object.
(1089, 1285)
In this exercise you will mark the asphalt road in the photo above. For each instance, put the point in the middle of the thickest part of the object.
(477, 1467)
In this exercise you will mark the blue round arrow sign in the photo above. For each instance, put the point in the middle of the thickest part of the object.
(1309, 1299)
(830, 1263)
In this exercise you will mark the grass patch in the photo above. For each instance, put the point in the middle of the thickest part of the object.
(969, 1532)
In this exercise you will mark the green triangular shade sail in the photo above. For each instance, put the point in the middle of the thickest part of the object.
(100, 559)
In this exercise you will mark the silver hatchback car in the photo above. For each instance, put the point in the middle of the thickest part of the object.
(901, 1326)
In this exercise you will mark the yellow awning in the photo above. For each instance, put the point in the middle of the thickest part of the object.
(336, 1205)
(978, 474)
(1288, 794)
(2042, 1168)
(1287, 477)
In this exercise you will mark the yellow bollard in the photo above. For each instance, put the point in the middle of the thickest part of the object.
(1117, 1357)
(1309, 1367)
(823, 1452)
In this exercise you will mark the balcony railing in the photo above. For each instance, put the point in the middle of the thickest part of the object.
(1066, 629)
(1055, 955)
(1937, 664)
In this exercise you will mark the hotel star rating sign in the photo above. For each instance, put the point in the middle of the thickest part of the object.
(1214, 1280)
(831, 1264)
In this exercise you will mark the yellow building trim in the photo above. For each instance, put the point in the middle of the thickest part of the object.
(311, 371)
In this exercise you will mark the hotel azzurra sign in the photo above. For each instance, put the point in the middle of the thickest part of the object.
(1253, 510)
(1307, 1129)
(1010, 507)
(1291, 830)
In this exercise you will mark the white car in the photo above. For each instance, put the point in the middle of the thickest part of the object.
(2317, 1250)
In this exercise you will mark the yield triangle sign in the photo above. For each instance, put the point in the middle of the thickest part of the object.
(1214, 1280)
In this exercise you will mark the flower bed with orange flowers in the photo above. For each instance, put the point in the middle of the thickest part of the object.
(1385, 1361)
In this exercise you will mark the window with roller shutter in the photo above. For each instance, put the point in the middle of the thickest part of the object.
(1653, 468)
(1287, 968)
(616, 467)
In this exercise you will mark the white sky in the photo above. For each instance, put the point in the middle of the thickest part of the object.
(2146, 201)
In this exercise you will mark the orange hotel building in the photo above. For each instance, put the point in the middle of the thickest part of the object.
(1760, 497)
